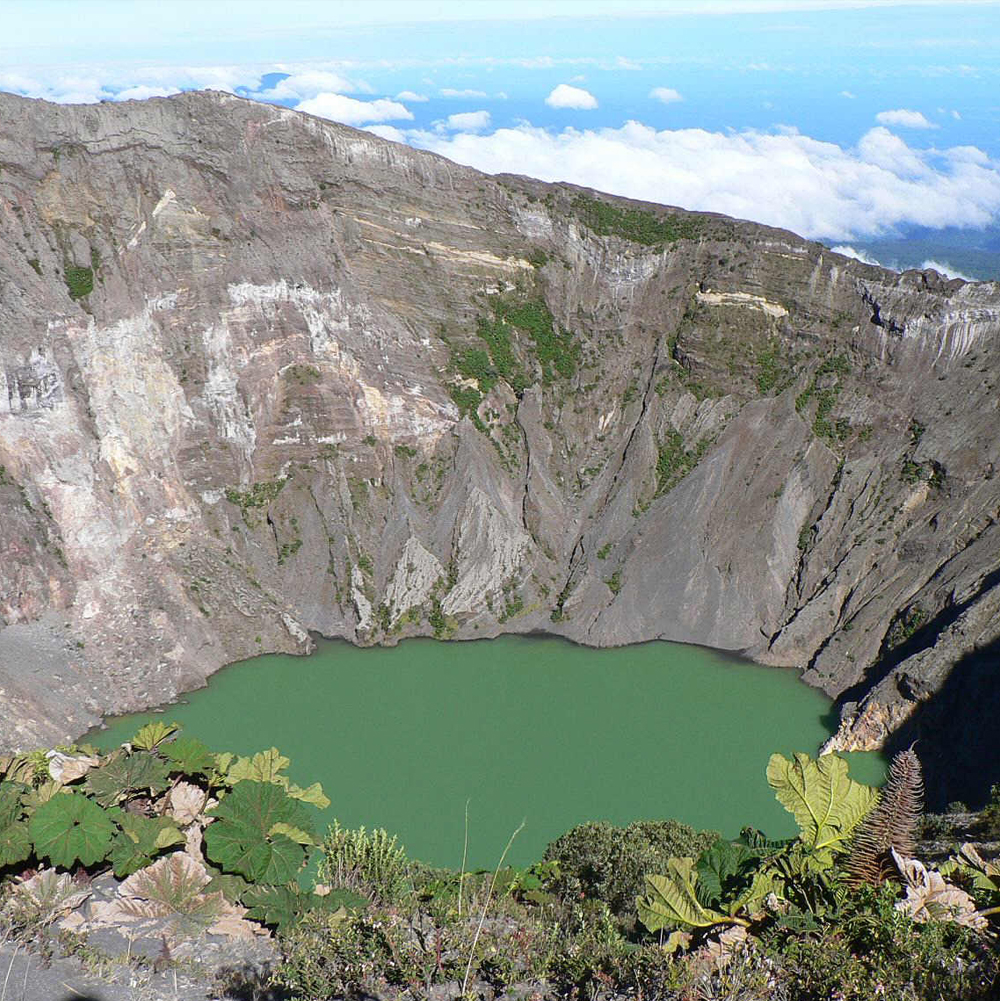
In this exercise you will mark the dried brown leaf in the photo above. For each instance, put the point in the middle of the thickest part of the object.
(929, 897)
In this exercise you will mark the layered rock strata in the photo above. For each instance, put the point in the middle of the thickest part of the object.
(262, 374)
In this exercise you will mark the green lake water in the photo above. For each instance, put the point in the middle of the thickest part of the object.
(524, 728)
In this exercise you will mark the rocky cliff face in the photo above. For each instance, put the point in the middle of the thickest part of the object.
(261, 374)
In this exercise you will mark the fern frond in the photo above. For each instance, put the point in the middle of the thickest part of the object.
(892, 825)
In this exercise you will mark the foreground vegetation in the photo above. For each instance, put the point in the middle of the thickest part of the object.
(213, 844)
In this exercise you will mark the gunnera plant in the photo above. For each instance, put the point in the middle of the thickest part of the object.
(892, 825)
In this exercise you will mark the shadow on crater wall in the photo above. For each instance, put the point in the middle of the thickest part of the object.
(957, 733)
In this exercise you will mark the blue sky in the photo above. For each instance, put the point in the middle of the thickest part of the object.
(871, 125)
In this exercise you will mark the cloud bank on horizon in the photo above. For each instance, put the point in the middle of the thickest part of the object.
(817, 189)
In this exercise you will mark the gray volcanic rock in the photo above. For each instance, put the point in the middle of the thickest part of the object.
(262, 374)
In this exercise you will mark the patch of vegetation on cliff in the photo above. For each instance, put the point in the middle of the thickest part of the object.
(773, 374)
(260, 495)
(638, 225)
(551, 348)
(497, 334)
(832, 432)
(513, 602)
(558, 613)
(301, 375)
(674, 461)
(905, 625)
(468, 399)
(913, 472)
(555, 349)
(287, 550)
(475, 364)
(79, 281)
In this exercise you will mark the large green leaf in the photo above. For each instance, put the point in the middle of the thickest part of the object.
(827, 804)
(246, 838)
(761, 885)
(139, 840)
(11, 806)
(126, 856)
(298, 836)
(279, 906)
(724, 872)
(189, 755)
(15, 843)
(123, 774)
(147, 737)
(231, 886)
(268, 766)
(313, 794)
(71, 828)
(264, 766)
(242, 849)
(673, 899)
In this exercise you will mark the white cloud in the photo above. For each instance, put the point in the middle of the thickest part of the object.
(387, 132)
(309, 83)
(339, 108)
(848, 95)
(858, 255)
(665, 94)
(565, 96)
(956, 115)
(409, 95)
(62, 88)
(451, 92)
(904, 118)
(817, 189)
(141, 92)
(101, 83)
(623, 63)
(947, 270)
(469, 121)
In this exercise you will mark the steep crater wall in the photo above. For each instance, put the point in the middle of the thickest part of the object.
(262, 374)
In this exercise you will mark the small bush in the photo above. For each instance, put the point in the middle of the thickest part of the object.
(989, 819)
(601, 862)
(876, 951)
(324, 957)
(369, 862)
